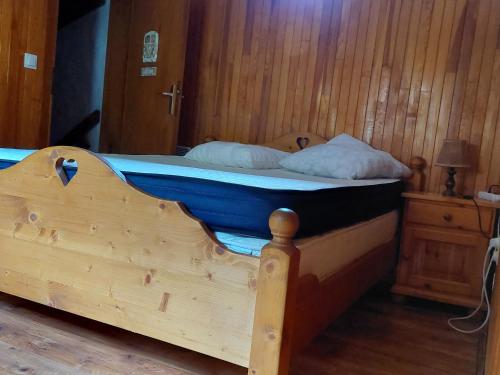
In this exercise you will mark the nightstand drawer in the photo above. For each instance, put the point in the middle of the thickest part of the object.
(449, 216)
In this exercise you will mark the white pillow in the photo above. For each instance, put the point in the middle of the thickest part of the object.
(346, 159)
(232, 154)
(351, 142)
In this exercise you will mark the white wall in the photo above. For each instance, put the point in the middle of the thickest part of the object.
(79, 73)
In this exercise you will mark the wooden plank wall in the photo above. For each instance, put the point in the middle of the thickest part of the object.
(25, 95)
(401, 74)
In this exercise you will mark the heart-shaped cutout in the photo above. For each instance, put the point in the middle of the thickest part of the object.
(303, 142)
(66, 170)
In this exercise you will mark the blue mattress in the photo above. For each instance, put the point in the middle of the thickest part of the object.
(237, 208)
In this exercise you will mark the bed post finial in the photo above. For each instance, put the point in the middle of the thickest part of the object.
(276, 294)
(417, 181)
(284, 224)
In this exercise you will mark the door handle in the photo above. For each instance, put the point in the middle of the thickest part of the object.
(174, 96)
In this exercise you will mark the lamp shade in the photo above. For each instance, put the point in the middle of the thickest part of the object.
(454, 154)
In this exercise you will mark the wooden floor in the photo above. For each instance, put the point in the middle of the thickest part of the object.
(375, 337)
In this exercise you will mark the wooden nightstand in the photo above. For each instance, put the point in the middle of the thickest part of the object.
(443, 249)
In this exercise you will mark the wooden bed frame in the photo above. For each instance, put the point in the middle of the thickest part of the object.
(97, 247)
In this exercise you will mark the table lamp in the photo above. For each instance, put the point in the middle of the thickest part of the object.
(453, 155)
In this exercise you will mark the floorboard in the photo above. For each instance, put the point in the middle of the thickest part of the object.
(376, 336)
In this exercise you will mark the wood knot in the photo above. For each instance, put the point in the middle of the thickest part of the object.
(271, 333)
(54, 235)
(252, 283)
(164, 302)
(270, 267)
(33, 217)
(147, 279)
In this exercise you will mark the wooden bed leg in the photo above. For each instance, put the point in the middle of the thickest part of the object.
(276, 294)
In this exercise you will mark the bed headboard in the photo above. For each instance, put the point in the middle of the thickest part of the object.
(297, 141)
(291, 142)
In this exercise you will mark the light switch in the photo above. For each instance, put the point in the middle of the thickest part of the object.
(30, 61)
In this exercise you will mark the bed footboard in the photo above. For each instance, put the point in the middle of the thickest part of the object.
(97, 247)
(276, 298)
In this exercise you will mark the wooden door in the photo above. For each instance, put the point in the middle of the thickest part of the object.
(149, 98)
(25, 93)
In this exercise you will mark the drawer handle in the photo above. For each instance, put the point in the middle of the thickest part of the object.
(448, 217)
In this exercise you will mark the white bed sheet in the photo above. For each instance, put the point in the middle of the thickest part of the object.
(278, 179)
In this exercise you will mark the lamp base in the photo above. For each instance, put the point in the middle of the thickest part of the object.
(450, 183)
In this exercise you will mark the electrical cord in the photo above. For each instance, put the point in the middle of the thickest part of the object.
(488, 262)
(485, 235)
(490, 190)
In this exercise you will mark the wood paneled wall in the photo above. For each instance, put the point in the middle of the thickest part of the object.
(401, 74)
(25, 95)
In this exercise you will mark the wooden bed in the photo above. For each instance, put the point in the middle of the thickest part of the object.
(97, 247)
